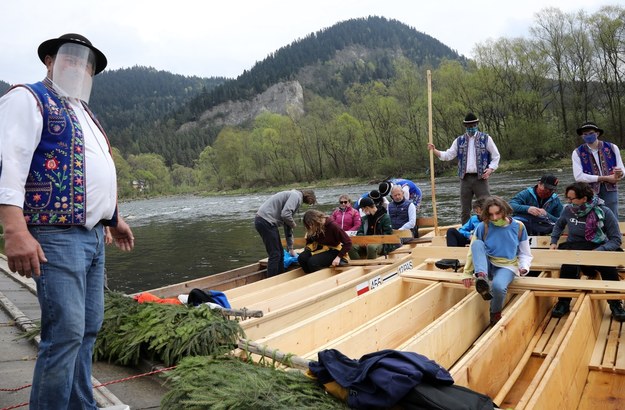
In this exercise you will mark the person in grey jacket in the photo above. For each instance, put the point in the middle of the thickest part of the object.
(278, 211)
(592, 227)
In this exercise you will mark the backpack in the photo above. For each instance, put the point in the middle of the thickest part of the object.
(198, 297)
(427, 396)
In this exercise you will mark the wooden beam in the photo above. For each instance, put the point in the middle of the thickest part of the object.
(526, 283)
(356, 240)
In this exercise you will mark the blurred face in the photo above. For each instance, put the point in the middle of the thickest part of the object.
(397, 195)
(494, 213)
(572, 198)
(343, 203)
(369, 210)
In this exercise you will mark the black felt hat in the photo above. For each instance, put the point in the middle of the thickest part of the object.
(385, 188)
(51, 47)
(470, 119)
(589, 126)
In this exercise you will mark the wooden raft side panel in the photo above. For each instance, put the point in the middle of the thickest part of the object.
(487, 367)
(308, 334)
(308, 303)
(221, 281)
(264, 284)
(282, 284)
(295, 294)
(395, 326)
(450, 336)
(603, 391)
(563, 383)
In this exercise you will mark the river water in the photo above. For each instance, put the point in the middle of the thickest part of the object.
(181, 238)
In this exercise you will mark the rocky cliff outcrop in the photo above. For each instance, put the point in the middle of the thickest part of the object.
(286, 98)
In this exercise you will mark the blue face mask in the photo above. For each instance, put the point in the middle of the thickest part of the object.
(471, 130)
(590, 138)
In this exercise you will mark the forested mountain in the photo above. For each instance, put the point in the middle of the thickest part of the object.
(132, 99)
(384, 39)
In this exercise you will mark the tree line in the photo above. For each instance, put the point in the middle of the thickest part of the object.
(530, 94)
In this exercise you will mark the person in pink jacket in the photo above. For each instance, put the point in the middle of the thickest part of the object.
(345, 215)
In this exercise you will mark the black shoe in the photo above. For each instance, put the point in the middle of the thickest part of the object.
(561, 309)
(494, 318)
(448, 264)
(343, 262)
(483, 288)
(618, 313)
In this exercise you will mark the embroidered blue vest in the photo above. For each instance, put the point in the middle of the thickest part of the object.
(607, 162)
(482, 155)
(55, 187)
(398, 213)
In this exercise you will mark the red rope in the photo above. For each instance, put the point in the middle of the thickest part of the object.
(95, 387)
(17, 388)
(134, 377)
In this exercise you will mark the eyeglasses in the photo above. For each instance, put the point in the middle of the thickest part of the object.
(568, 198)
(344, 202)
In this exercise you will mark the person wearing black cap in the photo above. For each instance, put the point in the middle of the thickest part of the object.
(478, 157)
(55, 156)
(375, 222)
(538, 207)
(598, 163)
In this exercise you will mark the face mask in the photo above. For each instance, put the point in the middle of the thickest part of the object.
(590, 138)
(542, 193)
(500, 222)
(471, 130)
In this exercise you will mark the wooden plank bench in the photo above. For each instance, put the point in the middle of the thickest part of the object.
(547, 259)
(609, 352)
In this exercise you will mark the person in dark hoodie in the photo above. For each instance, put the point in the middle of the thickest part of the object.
(592, 227)
(375, 222)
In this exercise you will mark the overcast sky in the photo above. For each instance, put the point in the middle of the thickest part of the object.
(223, 38)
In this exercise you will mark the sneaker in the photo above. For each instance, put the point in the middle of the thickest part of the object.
(618, 313)
(561, 308)
(118, 407)
(494, 318)
(482, 287)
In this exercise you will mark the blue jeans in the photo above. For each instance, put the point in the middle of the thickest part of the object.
(499, 278)
(610, 198)
(71, 297)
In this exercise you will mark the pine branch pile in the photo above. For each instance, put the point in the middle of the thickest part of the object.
(228, 383)
(161, 332)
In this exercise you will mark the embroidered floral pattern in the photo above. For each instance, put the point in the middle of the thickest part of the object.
(55, 190)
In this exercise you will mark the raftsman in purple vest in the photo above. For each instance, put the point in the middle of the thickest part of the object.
(55, 188)
(482, 155)
(607, 162)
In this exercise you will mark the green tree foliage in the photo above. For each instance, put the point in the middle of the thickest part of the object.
(366, 116)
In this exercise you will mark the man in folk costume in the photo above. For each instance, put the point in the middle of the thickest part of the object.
(478, 157)
(599, 164)
(58, 189)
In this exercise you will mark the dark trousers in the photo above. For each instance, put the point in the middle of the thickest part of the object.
(271, 238)
(312, 263)
(456, 239)
(471, 186)
(573, 272)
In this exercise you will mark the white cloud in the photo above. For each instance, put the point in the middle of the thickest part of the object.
(224, 38)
